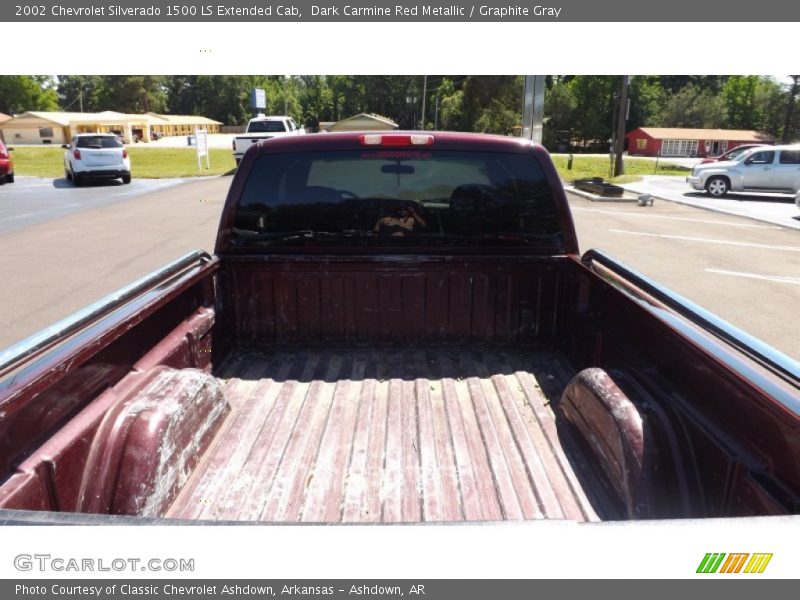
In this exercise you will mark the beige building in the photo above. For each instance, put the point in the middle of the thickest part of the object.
(182, 124)
(40, 127)
(361, 122)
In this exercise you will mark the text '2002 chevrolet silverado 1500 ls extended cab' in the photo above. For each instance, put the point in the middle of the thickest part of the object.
(397, 327)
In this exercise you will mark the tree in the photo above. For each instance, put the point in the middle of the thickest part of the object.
(184, 94)
(770, 100)
(559, 114)
(709, 83)
(21, 93)
(451, 106)
(348, 96)
(594, 97)
(647, 96)
(498, 118)
(134, 93)
(80, 92)
(492, 103)
(226, 98)
(316, 98)
(739, 96)
(693, 107)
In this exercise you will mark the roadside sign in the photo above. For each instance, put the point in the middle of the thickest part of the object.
(258, 99)
(201, 144)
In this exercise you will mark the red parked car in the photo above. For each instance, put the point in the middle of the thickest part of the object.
(6, 164)
(730, 154)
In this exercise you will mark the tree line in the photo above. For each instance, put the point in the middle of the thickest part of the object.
(582, 109)
(579, 110)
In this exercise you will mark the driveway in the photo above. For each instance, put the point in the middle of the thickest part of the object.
(32, 200)
(772, 208)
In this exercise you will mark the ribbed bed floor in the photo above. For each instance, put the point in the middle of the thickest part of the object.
(387, 437)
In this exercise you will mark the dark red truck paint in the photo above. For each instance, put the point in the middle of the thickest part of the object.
(399, 387)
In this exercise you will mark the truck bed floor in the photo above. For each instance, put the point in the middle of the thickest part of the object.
(387, 436)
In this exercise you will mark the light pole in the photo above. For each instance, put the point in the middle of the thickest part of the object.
(424, 93)
(286, 95)
(533, 108)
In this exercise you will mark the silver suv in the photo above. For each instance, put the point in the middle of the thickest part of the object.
(770, 169)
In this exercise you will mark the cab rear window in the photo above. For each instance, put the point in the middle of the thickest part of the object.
(266, 127)
(396, 198)
(100, 141)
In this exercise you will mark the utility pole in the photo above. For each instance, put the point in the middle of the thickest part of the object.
(788, 130)
(436, 114)
(424, 93)
(619, 166)
(80, 98)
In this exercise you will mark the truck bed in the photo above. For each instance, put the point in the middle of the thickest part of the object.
(387, 436)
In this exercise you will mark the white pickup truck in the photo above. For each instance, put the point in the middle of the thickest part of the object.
(264, 128)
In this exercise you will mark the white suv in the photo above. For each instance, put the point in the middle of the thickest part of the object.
(96, 156)
(766, 169)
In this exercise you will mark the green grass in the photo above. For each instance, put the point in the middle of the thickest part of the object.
(595, 166)
(159, 163)
(39, 162)
(146, 163)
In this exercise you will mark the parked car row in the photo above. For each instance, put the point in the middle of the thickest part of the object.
(759, 169)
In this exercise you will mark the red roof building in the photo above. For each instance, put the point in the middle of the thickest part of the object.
(678, 141)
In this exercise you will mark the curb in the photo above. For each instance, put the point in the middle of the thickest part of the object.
(595, 197)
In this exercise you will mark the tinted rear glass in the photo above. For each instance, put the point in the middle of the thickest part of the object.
(397, 198)
(100, 141)
(790, 157)
(266, 127)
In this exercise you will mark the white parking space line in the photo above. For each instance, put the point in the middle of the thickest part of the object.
(708, 240)
(33, 184)
(777, 278)
(18, 216)
(689, 219)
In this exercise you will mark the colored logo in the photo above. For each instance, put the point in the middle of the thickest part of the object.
(738, 562)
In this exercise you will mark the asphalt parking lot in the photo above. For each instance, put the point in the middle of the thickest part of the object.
(55, 267)
(745, 271)
(32, 200)
(772, 208)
